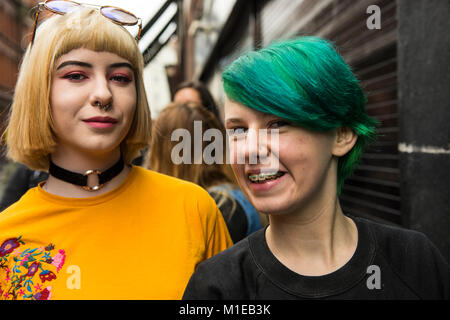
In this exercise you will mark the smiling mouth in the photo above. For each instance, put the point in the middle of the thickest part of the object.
(264, 177)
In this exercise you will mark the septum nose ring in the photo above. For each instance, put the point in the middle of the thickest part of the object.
(102, 106)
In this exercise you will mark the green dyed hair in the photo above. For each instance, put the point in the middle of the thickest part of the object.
(306, 81)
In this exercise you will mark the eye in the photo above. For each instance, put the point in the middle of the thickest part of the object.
(121, 78)
(278, 124)
(237, 131)
(75, 76)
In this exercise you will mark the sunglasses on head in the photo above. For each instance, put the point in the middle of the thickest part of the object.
(115, 14)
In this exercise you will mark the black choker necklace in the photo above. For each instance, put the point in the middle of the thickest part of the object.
(82, 179)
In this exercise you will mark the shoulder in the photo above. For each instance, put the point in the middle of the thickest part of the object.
(170, 185)
(177, 196)
(395, 240)
(229, 274)
(20, 214)
(28, 201)
(412, 256)
(229, 259)
(172, 192)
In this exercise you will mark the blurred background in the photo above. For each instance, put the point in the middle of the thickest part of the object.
(400, 53)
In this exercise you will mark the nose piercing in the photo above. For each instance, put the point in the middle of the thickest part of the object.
(102, 106)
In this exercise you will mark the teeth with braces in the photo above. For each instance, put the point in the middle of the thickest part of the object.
(264, 176)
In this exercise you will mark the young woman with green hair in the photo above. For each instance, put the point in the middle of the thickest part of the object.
(303, 91)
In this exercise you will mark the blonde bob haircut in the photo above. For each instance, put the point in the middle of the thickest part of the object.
(30, 134)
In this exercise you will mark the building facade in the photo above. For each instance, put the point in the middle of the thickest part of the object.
(15, 23)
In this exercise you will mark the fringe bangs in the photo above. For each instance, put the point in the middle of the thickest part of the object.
(88, 29)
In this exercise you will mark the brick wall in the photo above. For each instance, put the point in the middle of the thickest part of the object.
(15, 24)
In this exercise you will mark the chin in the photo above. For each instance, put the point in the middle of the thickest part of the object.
(276, 205)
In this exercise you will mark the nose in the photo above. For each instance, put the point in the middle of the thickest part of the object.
(101, 93)
(253, 148)
(262, 148)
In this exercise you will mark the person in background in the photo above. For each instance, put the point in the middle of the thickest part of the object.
(18, 184)
(98, 227)
(196, 92)
(241, 217)
(303, 90)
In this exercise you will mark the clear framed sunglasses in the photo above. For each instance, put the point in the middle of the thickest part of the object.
(114, 14)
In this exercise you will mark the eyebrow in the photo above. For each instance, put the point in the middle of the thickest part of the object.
(88, 65)
(232, 120)
(76, 63)
(121, 64)
(239, 120)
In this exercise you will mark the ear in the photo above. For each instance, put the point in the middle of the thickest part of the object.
(344, 142)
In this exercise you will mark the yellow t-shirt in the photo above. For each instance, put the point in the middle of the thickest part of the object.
(141, 240)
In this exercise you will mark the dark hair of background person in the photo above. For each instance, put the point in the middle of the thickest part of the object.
(19, 183)
(206, 96)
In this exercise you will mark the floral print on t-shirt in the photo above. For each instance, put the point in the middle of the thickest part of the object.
(28, 273)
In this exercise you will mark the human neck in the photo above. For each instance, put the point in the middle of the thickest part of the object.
(80, 163)
(313, 242)
(76, 161)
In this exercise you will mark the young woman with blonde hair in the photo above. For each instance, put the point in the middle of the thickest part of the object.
(98, 227)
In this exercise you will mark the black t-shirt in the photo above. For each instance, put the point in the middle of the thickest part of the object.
(389, 263)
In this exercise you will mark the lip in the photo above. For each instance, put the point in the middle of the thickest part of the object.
(266, 185)
(100, 122)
